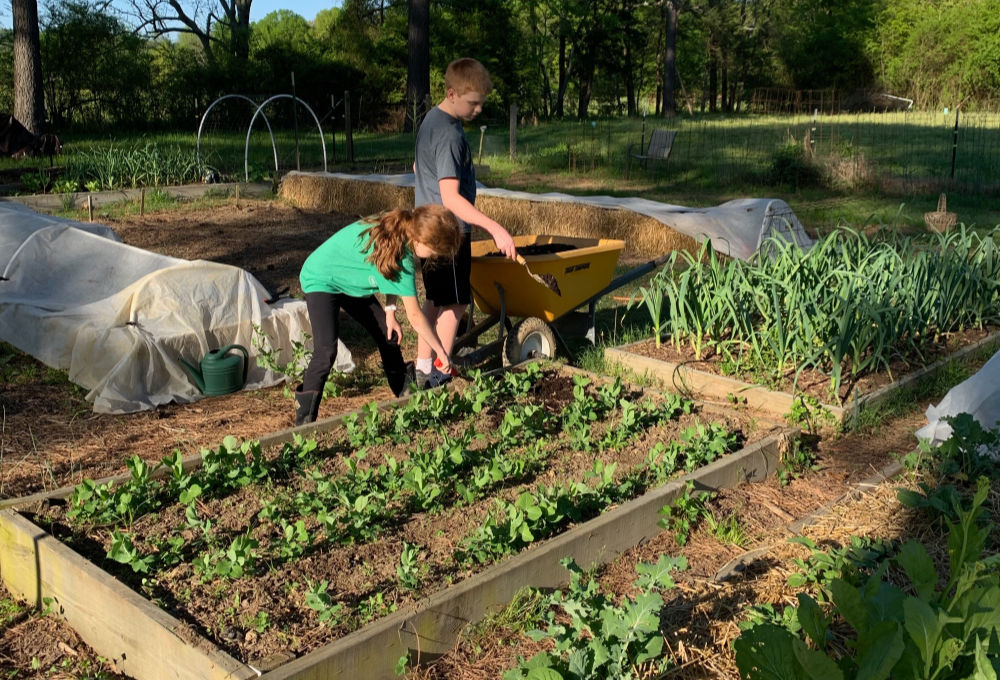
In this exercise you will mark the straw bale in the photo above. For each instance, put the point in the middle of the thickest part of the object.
(323, 193)
(643, 236)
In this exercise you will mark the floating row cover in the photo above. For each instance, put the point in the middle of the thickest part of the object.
(119, 318)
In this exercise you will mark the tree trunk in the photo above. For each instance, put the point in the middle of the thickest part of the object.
(586, 87)
(727, 104)
(563, 77)
(241, 31)
(713, 83)
(670, 60)
(418, 75)
(630, 96)
(29, 98)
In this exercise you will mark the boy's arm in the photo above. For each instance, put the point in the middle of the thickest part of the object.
(470, 214)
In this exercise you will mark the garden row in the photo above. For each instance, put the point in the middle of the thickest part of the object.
(270, 552)
(921, 600)
(838, 318)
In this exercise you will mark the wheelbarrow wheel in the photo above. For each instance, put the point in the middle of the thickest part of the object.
(530, 338)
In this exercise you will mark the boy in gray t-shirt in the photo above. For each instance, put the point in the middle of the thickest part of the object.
(445, 175)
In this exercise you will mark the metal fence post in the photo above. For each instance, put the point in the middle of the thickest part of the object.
(513, 131)
(295, 123)
(348, 132)
(954, 145)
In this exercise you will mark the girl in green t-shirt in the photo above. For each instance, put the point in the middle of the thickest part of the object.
(376, 255)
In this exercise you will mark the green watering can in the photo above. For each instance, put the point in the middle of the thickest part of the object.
(220, 371)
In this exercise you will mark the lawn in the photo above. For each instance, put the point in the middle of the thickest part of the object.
(856, 169)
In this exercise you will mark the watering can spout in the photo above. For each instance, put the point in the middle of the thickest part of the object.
(195, 374)
(221, 371)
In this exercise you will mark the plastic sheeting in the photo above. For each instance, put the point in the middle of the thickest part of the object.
(119, 318)
(736, 228)
(979, 396)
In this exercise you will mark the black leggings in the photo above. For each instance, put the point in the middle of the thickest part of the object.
(324, 316)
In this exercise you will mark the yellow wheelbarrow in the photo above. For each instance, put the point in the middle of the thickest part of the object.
(582, 268)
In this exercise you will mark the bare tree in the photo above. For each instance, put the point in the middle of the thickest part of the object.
(202, 19)
(418, 75)
(29, 99)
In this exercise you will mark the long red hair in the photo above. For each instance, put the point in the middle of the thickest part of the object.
(433, 225)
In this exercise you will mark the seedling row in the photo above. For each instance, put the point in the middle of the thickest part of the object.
(284, 550)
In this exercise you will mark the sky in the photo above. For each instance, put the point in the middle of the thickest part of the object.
(258, 10)
(304, 8)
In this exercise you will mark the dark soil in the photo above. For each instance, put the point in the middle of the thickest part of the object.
(537, 249)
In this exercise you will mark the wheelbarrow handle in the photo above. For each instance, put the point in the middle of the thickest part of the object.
(630, 275)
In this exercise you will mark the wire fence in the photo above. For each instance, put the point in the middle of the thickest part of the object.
(897, 152)
(904, 151)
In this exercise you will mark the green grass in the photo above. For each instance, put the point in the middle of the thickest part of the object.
(17, 368)
(715, 158)
(10, 611)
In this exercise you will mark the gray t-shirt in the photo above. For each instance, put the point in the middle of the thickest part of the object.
(442, 151)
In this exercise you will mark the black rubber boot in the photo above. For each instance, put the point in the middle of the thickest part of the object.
(409, 382)
(308, 405)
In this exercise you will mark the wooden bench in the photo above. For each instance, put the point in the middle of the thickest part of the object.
(660, 144)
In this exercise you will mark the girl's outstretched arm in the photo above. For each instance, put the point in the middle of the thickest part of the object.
(423, 327)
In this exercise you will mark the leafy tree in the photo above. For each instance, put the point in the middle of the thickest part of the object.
(939, 53)
(282, 28)
(97, 69)
(821, 43)
(182, 78)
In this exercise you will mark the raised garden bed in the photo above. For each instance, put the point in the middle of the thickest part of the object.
(704, 379)
(692, 627)
(836, 326)
(264, 554)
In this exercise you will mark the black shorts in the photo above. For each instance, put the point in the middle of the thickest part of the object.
(447, 280)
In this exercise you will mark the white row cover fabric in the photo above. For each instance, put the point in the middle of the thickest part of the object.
(979, 396)
(736, 228)
(18, 222)
(119, 318)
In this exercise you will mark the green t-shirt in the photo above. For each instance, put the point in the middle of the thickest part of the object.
(339, 266)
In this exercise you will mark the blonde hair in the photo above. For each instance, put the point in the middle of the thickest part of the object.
(467, 75)
(433, 225)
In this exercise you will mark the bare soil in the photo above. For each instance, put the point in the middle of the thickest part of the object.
(50, 438)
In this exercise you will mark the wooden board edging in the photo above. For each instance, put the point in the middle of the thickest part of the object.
(139, 638)
(698, 384)
(432, 626)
